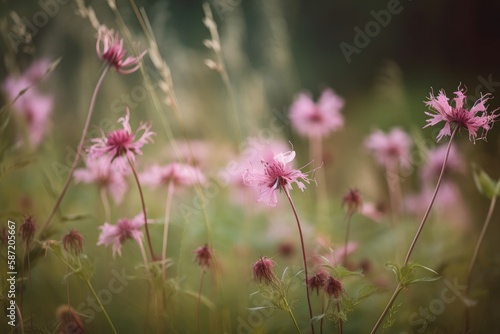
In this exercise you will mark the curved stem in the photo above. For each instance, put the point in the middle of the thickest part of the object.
(387, 307)
(168, 206)
(199, 299)
(143, 207)
(348, 224)
(303, 252)
(474, 258)
(412, 246)
(78, 151)
(101, 306)
(105, 204)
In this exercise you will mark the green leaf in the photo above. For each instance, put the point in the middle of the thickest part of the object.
(317, 318)
(406, 274)
(485, 183)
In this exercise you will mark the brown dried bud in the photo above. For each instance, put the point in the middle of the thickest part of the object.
(333, 287)
(203, 255)
(27, 229)
(69, 321)
(353, 201)
(73, 242)
(317, 281)
(263, 270)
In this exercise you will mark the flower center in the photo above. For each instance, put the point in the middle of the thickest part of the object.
(120, 141)
(316, 117)
(114, 55)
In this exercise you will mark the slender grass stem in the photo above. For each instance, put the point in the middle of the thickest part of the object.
(100, 305)
(136, 177)
(30, 287)
(347, 228)
(340, 320)
(474, 258)
(294, 321)
(417, 234)
(394, 188)
(78, 150)
(168, 207)
(303, 253)
(199, 300)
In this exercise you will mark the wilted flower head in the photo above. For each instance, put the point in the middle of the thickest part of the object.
(203, 255)
(277, 175)
(27, 229)
(104, 174)
(177, 173)
(69, 321)
(317, 281)
(73, 242)
(317, 119)
(352, 200)
(117, 234)
(109, 48)
(333, 287)
(263, 270)
(122, 143)
(390, 148)
(472, 120)
(435, 159)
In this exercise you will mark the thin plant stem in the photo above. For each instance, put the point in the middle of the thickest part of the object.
(30, 287)
(168, 207)
(414, 242)
(143, 253)
(294, 320)
(316, 149)
(347, 228)
(340, 320)
(21, 321)
(101, 306)
(394, 188)
(78, 150)
(136, 177)
(199, 299)
(417, 234)
(303, 252)
(474, 258)
(105, 204)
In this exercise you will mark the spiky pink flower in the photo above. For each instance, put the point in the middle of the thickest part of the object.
(333, 287)
(263, 270)
(435, 159)
(203, 255)
(116, 235)
(473, 120)
(101, 172)
(391, 147)
(317, 281)
(109, 48)
(317, 119)
(179, 174)
(122, 143)
(277, 175)
(353, 200)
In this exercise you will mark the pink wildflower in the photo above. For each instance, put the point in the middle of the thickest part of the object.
(122, 142)
(317, 281)
(203, 255)
(263, 270)
(333, 287)
(117, 234)
(435, 159)
(473, 120)
(104, 174)
(277, 175)
(395, 146)
(109, 48)
(317, 119)
(177, 173)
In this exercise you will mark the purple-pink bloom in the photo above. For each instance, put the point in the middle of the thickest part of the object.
(116, 235)
(473, 120)
(317, 119)
(109, 48)
(177, 173)
(391, 147)
(277, 175)
(122, 143)
(104, 174)
(435, 159)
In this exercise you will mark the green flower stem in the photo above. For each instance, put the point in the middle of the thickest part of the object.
(168, 207)
(100, 305)
(78, 151)
(303, 253)
(294, 320)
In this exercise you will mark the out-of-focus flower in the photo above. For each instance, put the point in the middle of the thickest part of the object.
(203, 255)
(116, 235)
(177, 173)
(101, 172)
(353, 201)
(435, 159)
(390, 148)
(317, 119)
(374, 211)
(73, 242)
(337, 255)
(263, 270)
(109, 48)
(333, 287)
(27, 229)
(317, 281)
(193, 152)
(277, 175)
(32, 106)
(472, 120)
(69, 321)
(122, 143)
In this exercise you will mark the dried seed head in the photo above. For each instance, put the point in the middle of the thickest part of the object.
(353, 201)
(333, 287)
(203, 255)
(27, 229)
(263, 270)
(73, 242)
(317, 281)
(69, 321)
